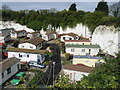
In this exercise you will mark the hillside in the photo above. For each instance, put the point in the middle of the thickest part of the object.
(16, 26)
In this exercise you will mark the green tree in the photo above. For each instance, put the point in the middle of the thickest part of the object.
(92, 20)
(73, 7)
(103, 7)
(106, 76)
(63, 81)
(36, 25)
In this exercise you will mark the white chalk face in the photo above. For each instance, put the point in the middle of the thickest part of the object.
(119, 41)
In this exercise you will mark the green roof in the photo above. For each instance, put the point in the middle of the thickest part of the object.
(20, 74)
(83, 46)
(15, 82)
(7, 29)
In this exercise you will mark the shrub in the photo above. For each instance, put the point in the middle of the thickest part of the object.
(51, 48)
(63, 49)
(67, 56)
(33, 82)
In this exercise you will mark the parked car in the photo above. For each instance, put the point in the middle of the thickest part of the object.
(16, 80)
(36, 64)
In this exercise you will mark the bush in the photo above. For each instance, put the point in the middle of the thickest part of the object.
(67, 56)
(36, 78)
(63, 49)
(51, 48)
(16, 43)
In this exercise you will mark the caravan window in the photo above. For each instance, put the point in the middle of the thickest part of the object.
(9, 70)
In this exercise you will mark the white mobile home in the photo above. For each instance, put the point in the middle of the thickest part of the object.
(71, 36)
(33, 43)
(83, 50)
(76, 72)
(17, 34)
(26, 55)
(33, 34)
(8, 68)
(49, 36)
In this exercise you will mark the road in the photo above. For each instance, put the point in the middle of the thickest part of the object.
(53, 69)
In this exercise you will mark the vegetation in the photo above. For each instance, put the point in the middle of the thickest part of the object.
(63, 81)
(73, 7)
(64, 61)
(105, 76)
(16, 43)
(67, 56)
(103, 7)
(115, 9)
(33, 82)
(41, 19)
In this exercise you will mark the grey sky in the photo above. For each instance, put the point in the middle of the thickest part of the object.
(86, 6)
(57, 0)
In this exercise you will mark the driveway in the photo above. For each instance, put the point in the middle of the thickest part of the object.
(54, 67)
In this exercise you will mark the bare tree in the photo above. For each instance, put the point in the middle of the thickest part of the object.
(114, 9)
(5, 7)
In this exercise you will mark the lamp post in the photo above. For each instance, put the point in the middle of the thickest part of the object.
(53, 72)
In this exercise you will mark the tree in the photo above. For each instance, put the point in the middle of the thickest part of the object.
(63, 81)
(114, 9)
(103, 7)
(73, 7)
(106, 76)
(92, 20)
(5, 7)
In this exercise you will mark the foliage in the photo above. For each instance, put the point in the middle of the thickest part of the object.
(93, 19)
(64, 61)
(63, 49)
(51, 48)
(115, 9)
(63, 81)
(33, 82)
(73, 7)
(106, 76)
(16, 43)
(40, 19)
(36, 25)
(103, 7)
(67, 56)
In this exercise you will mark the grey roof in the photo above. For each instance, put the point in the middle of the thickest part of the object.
(89, 57)
(34, 51)
(83, 46)
(35, 40)
(5, 64)
(7, 29)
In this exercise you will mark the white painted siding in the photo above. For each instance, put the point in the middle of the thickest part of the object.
(82, 51)
(30, 35)
(27, 46)
(25, 58)
(75, 75)
(13, 35)
(78, 43)
(2, 40)
(45, 37)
